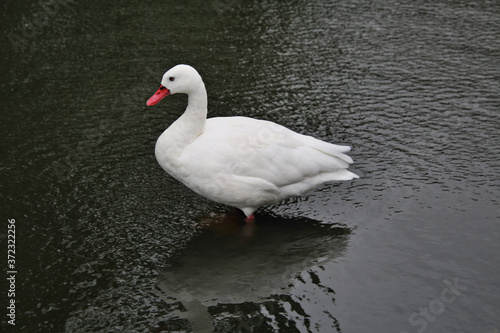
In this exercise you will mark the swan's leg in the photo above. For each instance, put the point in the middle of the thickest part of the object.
(250, 219)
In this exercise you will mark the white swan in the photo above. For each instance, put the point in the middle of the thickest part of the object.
(238, 161)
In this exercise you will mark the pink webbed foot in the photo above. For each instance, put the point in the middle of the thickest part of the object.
(250, 219)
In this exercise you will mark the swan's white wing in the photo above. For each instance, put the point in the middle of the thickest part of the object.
(268, 152)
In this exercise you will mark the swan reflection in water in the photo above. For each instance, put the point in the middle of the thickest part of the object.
(257, 265)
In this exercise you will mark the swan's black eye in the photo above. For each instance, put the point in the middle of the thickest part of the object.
(171, 78)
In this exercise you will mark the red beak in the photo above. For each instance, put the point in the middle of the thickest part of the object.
(158, 96)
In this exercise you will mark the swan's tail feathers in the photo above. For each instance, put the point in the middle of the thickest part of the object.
(338, 153)
(330, 148)
(343, 175)
(313, 182)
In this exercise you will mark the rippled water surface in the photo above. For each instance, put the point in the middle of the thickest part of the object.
(107, 242)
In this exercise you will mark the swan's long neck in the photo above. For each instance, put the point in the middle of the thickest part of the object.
(185, 129)
(195, 116)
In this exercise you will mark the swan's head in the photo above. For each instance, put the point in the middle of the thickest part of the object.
(179, 79)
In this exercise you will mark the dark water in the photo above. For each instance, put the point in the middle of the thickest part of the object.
(106, 242)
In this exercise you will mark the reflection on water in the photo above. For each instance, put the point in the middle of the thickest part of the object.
(232, 263)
